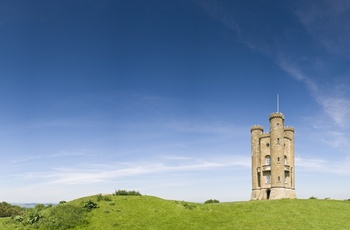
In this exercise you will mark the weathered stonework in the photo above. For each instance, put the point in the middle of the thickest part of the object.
(273, 175)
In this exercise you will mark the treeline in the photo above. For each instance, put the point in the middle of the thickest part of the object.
(8, 210)
(127, 193)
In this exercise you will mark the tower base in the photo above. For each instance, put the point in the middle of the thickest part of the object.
(277, 193)
(255, 195)
(290, 193)
(273, 194)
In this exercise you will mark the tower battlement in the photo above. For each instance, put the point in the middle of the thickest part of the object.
(273, 175)
(289, 128)
(256, 127)
(276, 115)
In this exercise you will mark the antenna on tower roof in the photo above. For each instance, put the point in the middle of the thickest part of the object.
(278, 103)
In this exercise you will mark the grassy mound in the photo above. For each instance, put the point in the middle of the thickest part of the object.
(146, 212)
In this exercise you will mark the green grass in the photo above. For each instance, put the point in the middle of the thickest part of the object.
(146, 212)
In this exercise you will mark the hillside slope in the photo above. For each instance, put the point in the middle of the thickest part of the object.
(146, 212)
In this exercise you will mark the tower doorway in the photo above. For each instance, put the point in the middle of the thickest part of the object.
(268, 191)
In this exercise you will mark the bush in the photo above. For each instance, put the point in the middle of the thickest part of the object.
(89, 205)
(211, 201)
(126, 193)
(33, 216)
(39, 207)
(188, 206)
(7, 210)
(99, 197)
(313, 198)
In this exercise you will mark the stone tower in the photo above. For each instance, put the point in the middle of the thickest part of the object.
(273, 160)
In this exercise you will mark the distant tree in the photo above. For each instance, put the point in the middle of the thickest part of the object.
(211, 201)
(7, 210)
(126, 193)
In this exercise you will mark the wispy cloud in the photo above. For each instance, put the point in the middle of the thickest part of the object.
(327, 22)
(90, 174)
(334, 104)
(218, 11)
(322, 166)
(296, 73)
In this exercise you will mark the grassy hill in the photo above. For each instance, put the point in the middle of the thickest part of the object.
(147, 212)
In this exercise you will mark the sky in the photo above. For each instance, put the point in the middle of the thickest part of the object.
(159, 96)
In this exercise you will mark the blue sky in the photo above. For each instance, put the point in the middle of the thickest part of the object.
(159, 96)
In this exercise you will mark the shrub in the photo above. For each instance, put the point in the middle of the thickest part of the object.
(18, 218)
(7, 210)
(39, 207)
(33, 216)
(126, 193)
(189, 206)
(211, 201)
(89, 205)
(313, 198)
(99, 197)
(62, 202)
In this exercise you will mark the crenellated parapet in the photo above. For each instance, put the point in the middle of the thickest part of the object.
(289, 128)
(264, 135)
(276, 115)
(256, 127)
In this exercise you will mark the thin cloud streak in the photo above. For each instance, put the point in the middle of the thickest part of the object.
(102, 173)
(321, 166)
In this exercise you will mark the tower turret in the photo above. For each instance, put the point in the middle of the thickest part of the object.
(277, 155)
(289, 153)
(256, 132)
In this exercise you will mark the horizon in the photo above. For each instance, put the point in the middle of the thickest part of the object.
(159, 97)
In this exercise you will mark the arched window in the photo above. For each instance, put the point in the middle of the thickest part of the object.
(268, 179)
(267, 160)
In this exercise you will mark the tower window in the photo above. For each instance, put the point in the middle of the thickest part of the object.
(279, 178)
(285, 160)
(267, 160)
(286, 175)
(278, 141)
(278, 123)
(268, 179)
(278, 159)
(267, 144)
